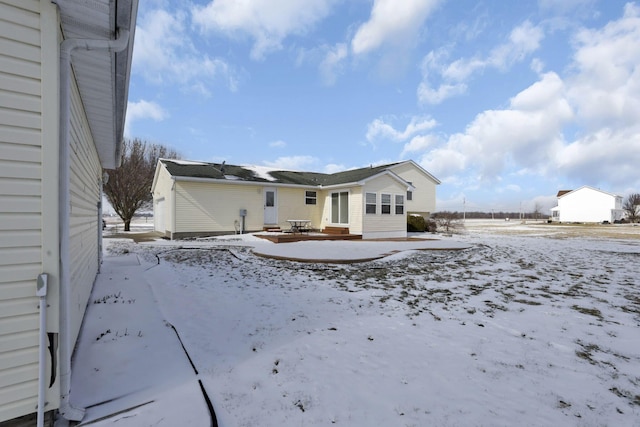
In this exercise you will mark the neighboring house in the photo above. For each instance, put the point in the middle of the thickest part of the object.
(200, 199)
(587, 204)
(64, 76)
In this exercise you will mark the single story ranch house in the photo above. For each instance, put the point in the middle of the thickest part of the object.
(587, 204)
(206, 199)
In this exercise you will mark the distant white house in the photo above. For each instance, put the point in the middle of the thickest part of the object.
(199, 198)
(587, 204)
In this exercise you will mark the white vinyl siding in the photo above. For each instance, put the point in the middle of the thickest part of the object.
(163, 199)
(356, 210)
(423, 197)
(21, 220)
(210, 207)
(384, 223)
(292, 205)
(588, 204)
(85, 175)
(214, 208)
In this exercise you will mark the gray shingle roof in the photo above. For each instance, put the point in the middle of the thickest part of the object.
(239, 173)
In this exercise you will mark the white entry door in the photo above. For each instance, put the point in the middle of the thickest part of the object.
(158, 216)
(270, 206)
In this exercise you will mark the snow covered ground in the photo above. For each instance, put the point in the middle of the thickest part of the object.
(530, 325)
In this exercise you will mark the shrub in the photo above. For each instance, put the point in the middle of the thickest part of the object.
(416, 223)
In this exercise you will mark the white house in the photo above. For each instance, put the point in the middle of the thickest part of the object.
(587, 204)
(64, 76)
(199, 198)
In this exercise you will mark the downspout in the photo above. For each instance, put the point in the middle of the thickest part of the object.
(41, 293)
(173, 208)
(66, 345)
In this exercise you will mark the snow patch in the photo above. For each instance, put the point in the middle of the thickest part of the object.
(261, 171)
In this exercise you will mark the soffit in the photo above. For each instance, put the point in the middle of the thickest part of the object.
(102, 77)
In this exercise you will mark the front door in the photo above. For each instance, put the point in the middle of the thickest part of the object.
(270, 206)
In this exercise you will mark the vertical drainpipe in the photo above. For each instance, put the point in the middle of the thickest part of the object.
(66, 345)
(173, 208)
(41, 293)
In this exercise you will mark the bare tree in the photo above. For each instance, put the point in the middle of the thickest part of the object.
(129, 187)
(448, 221)
(537, 211)
(632, 207)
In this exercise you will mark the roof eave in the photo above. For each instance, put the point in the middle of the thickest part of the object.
(241, 182)
(102, 76)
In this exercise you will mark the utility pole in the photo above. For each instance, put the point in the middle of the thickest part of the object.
(464, 209)
(520, 211)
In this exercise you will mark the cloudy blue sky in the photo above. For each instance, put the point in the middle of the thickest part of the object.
(506, 102)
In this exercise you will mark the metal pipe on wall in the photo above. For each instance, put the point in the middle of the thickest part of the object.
(66, 346)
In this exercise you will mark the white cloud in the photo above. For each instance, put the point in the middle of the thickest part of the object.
(446, 162)
(378, 129)
(428, 95)
(528, 133)
(143, 110)
(165, 54)
(419, 143)
(606, 85)
(332, 63)
(333, 168)
(605, 88)
(391, 22)
(598, 100)
(523, 40)
(278, 144)
(607, 156)
(293, 163)
(268, 23)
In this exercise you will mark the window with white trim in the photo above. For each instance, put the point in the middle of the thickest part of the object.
(409, 195)
(371, 201)
(385, 204)
(310, 197)
(399, 204)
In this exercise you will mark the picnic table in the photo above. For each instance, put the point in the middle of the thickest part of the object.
(299, 225)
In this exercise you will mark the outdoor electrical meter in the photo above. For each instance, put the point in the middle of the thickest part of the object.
(243, 212)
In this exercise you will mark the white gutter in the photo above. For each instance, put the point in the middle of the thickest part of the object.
(66, 345)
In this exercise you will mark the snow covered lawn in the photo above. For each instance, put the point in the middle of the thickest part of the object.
(516, 330)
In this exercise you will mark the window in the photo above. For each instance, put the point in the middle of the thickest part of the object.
(371, 200)
(385, 204)
(270, 199)
(399, 204)
(310, 197)
(409, 195)
(340, 207)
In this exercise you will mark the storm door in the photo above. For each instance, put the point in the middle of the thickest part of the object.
(270, 206)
